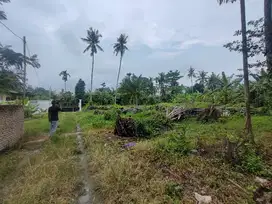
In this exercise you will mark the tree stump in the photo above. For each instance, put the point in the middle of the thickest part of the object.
(209, 114)
(125, 127)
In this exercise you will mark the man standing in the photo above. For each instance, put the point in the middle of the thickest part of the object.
(53, 117)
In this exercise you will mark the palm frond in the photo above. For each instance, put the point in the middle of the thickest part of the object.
(87, 48)
(3, 16)
(4, 1)
(120, 45)
(100, 48)
(93, 40)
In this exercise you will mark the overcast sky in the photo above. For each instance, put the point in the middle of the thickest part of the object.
(163, 35)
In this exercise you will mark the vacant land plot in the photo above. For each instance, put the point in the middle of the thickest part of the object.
(167, 163)
(165, 168)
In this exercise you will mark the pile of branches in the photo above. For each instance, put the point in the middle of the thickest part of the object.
(125, 127)
(179, 113)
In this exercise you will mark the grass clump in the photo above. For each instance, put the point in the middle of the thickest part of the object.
(174, 191)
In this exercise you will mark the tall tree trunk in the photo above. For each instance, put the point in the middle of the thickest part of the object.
(268, 33)
(136, 100)
(192, 84)
(248, 124)
(118, 75)
(65, 86)
(91, 95)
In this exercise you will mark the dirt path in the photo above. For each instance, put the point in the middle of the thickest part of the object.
(85, 198)
(88, 196)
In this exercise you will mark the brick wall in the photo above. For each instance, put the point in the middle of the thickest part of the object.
(11, 125)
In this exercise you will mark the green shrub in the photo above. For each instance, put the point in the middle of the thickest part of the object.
(250, 161)
(176, 143)
(174, 190)
(153, 125)
(111, 114)
(29, 109)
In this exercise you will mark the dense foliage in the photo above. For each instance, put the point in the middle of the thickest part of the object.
(11, 68)
(80, 89)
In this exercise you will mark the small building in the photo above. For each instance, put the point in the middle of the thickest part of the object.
(9, 95)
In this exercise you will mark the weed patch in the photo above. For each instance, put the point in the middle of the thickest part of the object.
(152, 125)
(124, 176)
(174, 143)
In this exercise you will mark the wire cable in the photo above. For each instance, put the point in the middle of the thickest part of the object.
(11, 30)
(29, 55)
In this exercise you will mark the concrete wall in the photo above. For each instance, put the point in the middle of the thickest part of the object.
(11, 125)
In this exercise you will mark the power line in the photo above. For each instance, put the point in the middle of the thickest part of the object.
(24, 43)
(11, 31)
(28, 50)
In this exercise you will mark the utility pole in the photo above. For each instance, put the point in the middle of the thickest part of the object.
(24, 80)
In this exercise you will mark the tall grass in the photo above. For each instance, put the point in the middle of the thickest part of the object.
(50, 176)
(123, 176)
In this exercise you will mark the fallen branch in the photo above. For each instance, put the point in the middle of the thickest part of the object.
(238, 186)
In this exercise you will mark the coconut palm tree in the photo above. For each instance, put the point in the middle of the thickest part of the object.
(65, 76)
(191, 75)
(120, 47)
(268, 32)
(2, 13)
(93, 40)
(202, 77)
(248, 124)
